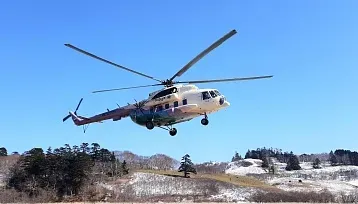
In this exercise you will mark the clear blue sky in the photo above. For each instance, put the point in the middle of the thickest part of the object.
(311, 48)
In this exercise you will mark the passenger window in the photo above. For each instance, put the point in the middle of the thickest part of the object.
(159, 108)
(185, 101)
(176, 104)
(166, 106)
(151, 109)
(206, 95)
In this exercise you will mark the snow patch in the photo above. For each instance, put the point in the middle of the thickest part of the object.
(293, 184)
(353, 182)
(149, 184)
(245, 166)
(233, 194)
(336, 179)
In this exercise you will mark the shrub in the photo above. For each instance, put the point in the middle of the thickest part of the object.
(292, 196)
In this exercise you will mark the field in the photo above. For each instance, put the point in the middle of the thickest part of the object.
(242, 181)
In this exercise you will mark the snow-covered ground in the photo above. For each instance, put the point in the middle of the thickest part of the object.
(333, 178)
(293, 184)
(353, 182)
(244, 167)
(149, 184)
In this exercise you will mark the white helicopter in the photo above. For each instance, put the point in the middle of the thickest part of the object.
(177, 102)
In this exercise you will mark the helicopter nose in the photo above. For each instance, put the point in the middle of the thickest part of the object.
(223, 102)
(226, 104)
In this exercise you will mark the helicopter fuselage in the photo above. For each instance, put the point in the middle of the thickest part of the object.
(178, 104)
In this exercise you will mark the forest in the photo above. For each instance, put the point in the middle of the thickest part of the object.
(62, 171)
(71, 172)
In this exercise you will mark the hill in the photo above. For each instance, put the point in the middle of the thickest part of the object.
(336, 179)
(124, 176)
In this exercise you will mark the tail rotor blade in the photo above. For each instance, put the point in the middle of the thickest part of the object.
(64, 119)
(79, 104)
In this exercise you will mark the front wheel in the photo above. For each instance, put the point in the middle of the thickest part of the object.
(204, 121)
(149, 125)
(173, 132)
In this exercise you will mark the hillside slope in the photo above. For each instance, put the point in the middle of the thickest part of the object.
(151, 185)
(335, 179)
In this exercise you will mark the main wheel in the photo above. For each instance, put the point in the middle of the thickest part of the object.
(173, 132)
(149, 125)
(204, 121)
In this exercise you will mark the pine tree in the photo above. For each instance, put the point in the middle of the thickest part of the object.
(316, 164)
(272, 169)
(332, 158)
(186, 166)
(293, 163)
(95, 151)
(265, 162)
(124, 168)
(236, 157)
(3, 151)
(248, 154)
(49, 151)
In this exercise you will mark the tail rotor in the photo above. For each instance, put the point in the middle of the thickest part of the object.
(69, 115)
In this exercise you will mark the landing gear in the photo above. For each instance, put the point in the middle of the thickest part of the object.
(149, 125)
(173, 131)
(205, 120)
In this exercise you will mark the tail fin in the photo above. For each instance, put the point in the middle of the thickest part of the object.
(75, 118)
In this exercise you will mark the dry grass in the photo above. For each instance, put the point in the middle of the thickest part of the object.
(243, 181)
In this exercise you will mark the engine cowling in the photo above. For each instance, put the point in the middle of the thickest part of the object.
(164, 99)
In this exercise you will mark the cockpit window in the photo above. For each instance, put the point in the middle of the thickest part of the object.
(217, 92)
(206, 95)
(213, 94)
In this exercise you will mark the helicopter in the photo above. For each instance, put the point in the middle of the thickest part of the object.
(176, 102)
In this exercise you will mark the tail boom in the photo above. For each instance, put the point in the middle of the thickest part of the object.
(114, 114)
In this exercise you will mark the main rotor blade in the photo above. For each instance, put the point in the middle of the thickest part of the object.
(109, 62)
(223, 80)
(134, 87)
(203, 53)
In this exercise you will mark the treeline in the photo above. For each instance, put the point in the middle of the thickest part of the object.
(266, 156)
(63, 171)
(262, 153)
(157, 161)
(343, 157)
(338, 157)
